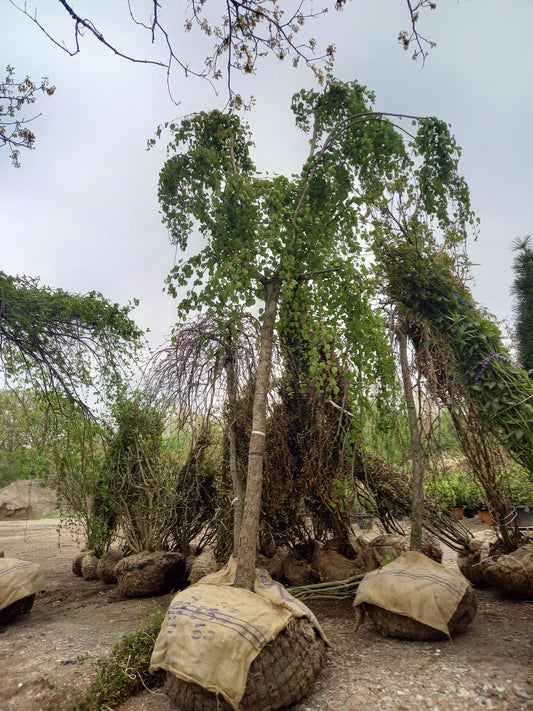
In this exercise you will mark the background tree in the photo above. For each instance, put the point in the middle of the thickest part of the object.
(23, 445)
(15, 97)
(522, 290)
(62, 342)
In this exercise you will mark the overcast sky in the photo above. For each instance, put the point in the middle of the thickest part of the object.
(82, 211)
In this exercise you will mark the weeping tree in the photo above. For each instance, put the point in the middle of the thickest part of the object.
(460, 352)
(263, 235)
(423, 266)
(63, 343)
(209, 364)
(71, 349)
(497, 388)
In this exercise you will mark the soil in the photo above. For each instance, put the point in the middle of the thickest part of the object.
(46, 654)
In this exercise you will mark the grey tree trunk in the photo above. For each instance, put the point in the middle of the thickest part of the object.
(252, 503)
(417, 483)
(236, 476)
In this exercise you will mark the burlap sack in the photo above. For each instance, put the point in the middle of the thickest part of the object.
(213, 632)
(18, 579)
(416, 587)
(511, 574)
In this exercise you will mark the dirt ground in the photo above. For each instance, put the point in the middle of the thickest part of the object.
(46, 654)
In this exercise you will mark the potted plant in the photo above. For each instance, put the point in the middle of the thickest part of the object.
(484, 513)
(450, 489)
(520, 488)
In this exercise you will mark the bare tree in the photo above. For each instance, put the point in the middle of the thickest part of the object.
(239, 33)
(209, 361)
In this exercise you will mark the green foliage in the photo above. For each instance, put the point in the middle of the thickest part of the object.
(77, 474)
(522, 290)
(139, 484)
(519, 485)
(273, 230)
(454, 488)
(23, 447)
(422, 282)
(62, 342)
(124, 672)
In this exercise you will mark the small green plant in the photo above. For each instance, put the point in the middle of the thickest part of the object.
(520, 485)
(454, 489)
(385, 560)
(124, 672)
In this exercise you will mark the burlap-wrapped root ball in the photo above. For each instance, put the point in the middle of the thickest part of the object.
(20, 581)
(151, 573)
(223, 648)
(19, 607)
(287, 569)
(415, 598)
(471, 559)
(390, 624)
(281, 675)
(512, 574)
(89, 567)
(76, 563)
(106, 567)
(202, 564)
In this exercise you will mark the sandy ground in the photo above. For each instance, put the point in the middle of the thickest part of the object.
(45, 655)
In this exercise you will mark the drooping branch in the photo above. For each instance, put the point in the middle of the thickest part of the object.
(56, 338)
(191, 370)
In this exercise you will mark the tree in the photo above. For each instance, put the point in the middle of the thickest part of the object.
(22, 436)
(263, 235)
(14, 132)
(209, 361)
(57, 339)
(238, 32)
(522, 290)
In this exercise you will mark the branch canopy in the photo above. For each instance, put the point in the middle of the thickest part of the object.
(56, 338)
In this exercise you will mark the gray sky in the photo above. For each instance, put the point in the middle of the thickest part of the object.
(82, 211)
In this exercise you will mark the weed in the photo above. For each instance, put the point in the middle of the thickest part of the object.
(124, 672)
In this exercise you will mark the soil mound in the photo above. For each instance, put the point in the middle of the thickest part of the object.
(26, 499)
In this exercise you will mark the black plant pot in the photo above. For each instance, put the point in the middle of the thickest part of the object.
(469, 512)
(525, 516)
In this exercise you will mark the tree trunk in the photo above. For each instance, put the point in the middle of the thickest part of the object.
(252, 502)
(236, 476)
(417, 483)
